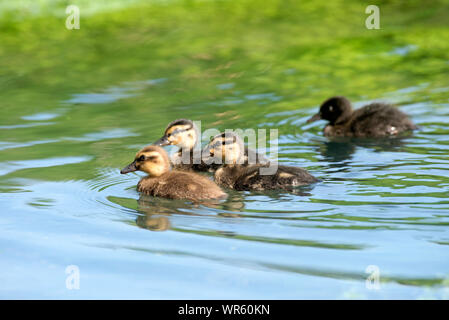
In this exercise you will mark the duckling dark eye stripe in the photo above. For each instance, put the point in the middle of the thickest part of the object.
(228, 135)
(222, 143)
(181, 130)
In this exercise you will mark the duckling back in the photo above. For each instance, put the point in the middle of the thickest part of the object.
(180, 185)
(378, 120)
(241, 178)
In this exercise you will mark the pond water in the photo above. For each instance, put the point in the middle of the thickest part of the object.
(77, 106)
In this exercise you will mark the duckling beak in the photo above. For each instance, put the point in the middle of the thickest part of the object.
(129, 168)
(314, 118)
(161, 142)
(207, 154)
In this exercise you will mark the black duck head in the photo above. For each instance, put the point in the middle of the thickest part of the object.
(335, 110)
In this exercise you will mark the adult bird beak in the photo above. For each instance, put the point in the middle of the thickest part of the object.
(162, 142)
(314, 118)
(129, 168)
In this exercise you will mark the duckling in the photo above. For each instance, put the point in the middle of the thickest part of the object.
(249, 156)
(232, 174)
(373, 120)
(184, 134)
(162, 182)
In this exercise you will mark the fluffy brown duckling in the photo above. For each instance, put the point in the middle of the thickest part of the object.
(166, 183)
(373, 120)
(184, 134)
(234, 174)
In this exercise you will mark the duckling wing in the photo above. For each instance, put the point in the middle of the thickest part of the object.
(285, 178)
(148, 185)
(249, 178)
(379, 119)
(187, 185)
(294, 176)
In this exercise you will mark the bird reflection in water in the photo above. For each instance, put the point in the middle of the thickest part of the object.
(340, 150)
(155, 212)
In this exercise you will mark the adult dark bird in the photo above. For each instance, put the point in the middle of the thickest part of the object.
(374, 120)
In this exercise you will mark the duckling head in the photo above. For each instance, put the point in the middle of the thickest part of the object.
(335, 110)
(226, 147)
(182, 133)
(152, 160)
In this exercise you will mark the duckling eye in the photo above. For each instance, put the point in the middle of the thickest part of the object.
(331, 108)
(168, 135)
(142, 158)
